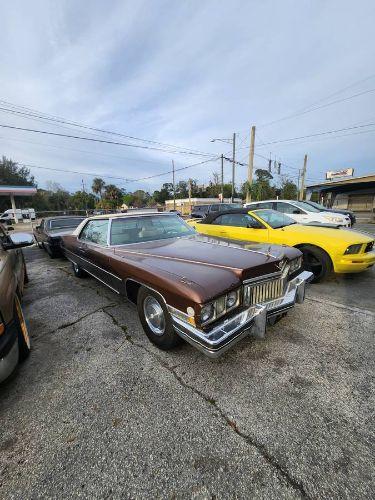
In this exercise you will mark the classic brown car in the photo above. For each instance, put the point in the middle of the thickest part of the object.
(50, 230)
(14, 337)
(207, 291)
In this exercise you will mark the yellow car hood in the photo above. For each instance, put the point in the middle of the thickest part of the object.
(348, 236)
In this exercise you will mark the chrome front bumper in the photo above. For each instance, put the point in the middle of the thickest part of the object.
(251, 321)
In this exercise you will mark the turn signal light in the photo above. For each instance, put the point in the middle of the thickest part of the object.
(2, 328)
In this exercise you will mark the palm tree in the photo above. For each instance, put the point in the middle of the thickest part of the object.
(113, 195)
(97, 186)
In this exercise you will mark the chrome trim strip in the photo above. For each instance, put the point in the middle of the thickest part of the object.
(101, 281)
(261, 279)
(92, 264)
(147, 286)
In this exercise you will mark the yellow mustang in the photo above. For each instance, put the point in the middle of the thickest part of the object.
(325, 248)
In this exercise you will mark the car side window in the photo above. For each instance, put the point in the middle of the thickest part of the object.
(266, 204)
(95, 231)
(285, 208)
(214, 208)
(41, 225)
(237, 220)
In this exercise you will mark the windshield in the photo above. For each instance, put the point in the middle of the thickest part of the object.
(305, 206)
(274, 219)
(65, 223)
(229, 206)
(150, 228)
(317, 205)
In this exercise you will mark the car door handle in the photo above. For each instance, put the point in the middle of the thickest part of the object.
(82, 249)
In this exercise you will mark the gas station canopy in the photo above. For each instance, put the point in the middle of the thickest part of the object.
(13, 191)
(17, 190)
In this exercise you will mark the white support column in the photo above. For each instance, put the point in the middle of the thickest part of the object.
(14, 207)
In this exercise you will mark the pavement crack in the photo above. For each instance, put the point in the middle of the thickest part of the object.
(71, 323)
(271, 460)
(100, 309)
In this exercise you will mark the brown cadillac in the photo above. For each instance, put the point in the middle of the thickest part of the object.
(208, 291)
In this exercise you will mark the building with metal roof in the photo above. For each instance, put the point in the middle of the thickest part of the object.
(353, 193)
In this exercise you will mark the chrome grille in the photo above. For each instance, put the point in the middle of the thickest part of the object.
(257, 293)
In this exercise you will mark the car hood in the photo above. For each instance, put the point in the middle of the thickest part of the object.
(347, 236)
(212, 263)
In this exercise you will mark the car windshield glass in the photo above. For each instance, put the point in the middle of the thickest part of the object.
(317, 205)
(274, 219)
(305, 206)
(229, 206)
(149, 228)
(64, 223)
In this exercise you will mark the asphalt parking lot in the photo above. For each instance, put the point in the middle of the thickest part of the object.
(99, 412)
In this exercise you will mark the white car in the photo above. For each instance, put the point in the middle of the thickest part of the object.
(302, 212)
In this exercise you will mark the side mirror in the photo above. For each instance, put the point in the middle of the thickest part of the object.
(249, 226)
(10, 228)
(37, 227)
(296, 211)
(18, 240)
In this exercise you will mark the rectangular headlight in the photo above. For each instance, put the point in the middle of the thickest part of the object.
(220, 306)
(295, 264)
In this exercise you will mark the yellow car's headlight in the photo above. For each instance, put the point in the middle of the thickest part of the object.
(352, 249)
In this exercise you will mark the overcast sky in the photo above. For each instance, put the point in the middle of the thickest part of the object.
(184, 73)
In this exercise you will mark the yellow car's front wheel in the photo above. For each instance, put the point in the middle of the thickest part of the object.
(317, 261)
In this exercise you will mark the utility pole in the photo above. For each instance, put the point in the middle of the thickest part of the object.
(84, 194)
(234, 165)
(174, 187)
(250, 167)
(303, 177)
(298, 187)
(190, 207)
(222, 178)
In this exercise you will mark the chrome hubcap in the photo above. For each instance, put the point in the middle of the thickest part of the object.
(154, 315)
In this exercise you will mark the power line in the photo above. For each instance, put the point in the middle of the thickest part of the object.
(308, 110)
(176, 170)
(96, 153)
(102, 141)
(319, 134)
(27, 165)
(35, 114)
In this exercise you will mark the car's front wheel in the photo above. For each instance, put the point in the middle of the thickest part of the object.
(51, 252)
(317, 261)
(156, 320)
(78, 271)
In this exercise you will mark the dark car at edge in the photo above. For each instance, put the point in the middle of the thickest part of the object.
(50, 230)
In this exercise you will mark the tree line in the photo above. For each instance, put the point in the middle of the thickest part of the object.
(110, 196)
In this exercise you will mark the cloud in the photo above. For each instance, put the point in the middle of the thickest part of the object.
(183, 73)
